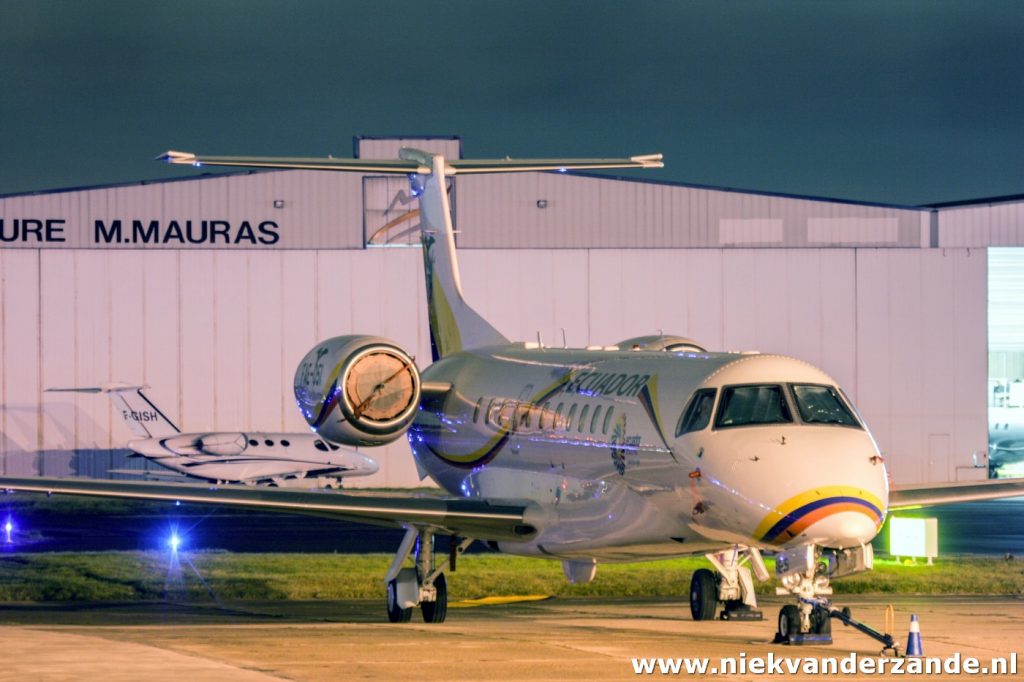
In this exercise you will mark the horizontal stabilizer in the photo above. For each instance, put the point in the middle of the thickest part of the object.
(412, 161)
(906, 496)
(105, 388)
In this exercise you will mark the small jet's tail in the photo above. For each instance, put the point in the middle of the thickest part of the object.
(143, 417)
(454, 325)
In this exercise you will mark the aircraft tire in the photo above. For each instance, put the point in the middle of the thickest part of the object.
(395, 613)
(789, 623)
(436, 611)
(821, 622)
(703, 594)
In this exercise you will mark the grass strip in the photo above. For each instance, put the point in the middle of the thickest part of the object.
(99, 576)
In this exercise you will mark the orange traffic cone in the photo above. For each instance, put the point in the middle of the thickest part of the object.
(914, 638)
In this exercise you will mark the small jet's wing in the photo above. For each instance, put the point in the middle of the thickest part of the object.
(909, 496)
(411, 161)
(468, 518)
(165, 475)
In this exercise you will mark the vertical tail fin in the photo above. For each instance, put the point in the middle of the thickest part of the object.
(454, 325)
(140, 414)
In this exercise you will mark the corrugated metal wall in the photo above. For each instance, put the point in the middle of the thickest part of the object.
(546, 210)
(316, 210)
(217, 334)
(982, 225)
(308, 209)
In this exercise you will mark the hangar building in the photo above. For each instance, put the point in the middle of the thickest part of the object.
(211, 289)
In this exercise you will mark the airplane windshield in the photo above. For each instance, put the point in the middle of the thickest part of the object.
(822, 405)
(748, 405)
(698, 413)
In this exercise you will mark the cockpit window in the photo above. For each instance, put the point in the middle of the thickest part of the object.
(822, 405)
(697, 415)
(746, 405)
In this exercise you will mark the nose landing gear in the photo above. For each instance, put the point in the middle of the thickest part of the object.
(806, 572)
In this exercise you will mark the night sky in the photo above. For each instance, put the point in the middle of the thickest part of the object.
(899, 102)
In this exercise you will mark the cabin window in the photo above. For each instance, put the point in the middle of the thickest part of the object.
(751, 405)
(535, 414)
(253, 441)
(583, 417)
(697, 414)
(506, 415)
(557, 423)
(545, 416)
(319, 445)
(285, 443)
(476, 410)
(570, 417)
(269, 443)
(490, 417)
(523, 415)
(607, 420)
(821, 405)
(595, 419)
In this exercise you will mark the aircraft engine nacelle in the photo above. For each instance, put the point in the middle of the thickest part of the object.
(197, 444)
(358, 390)
(671, 344)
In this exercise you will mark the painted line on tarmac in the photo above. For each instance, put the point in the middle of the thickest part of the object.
(493, 601)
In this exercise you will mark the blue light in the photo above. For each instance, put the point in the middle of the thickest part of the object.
(8, 530)
(174, 541)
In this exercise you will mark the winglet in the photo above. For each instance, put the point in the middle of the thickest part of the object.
(648, 160)
(186, 158)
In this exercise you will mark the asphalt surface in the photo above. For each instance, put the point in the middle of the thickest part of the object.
(591, 639)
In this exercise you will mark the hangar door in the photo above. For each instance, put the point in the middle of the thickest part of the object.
(1006, 361)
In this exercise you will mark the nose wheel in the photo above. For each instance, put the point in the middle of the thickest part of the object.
(792, 628)
(806, 572)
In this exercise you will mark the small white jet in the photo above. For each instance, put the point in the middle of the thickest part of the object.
(648, 449)
(1005, 439)
(283, 460)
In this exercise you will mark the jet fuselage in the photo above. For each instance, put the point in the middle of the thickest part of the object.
(597, 440)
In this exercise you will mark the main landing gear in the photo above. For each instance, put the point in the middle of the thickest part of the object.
(806, 572)
(423, 585)
(730, 585)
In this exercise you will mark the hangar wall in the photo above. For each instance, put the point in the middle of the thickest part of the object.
(982, 224)
(217, 333)
(546, 210)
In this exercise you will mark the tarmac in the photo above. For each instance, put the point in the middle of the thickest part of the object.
(553, 639)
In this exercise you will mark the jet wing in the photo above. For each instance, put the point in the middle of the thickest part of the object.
(469, 518)
(907, 496)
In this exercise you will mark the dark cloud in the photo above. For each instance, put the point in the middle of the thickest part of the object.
(902, 102)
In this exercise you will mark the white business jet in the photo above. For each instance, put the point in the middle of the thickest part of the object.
(652, 448)
(284, 460)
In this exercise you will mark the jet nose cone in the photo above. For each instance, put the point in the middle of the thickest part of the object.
(844, 529)
(366, 465)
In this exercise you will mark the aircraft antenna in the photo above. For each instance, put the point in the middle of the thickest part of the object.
(565, 344)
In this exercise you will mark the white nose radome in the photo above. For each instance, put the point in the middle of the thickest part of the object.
(843, 529)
